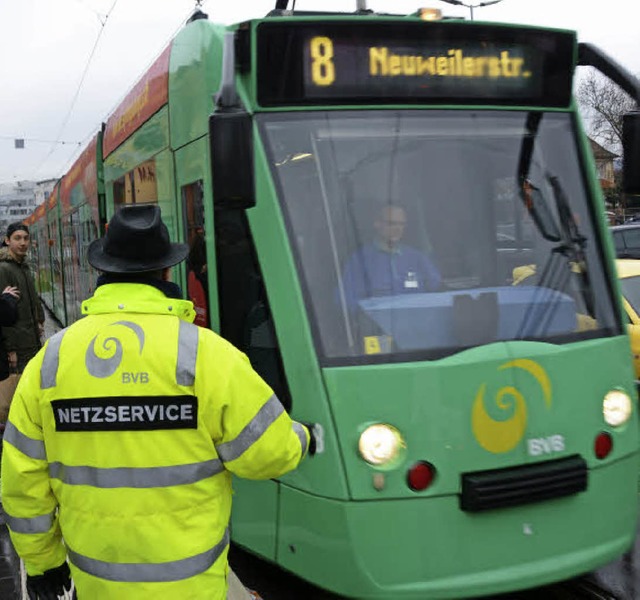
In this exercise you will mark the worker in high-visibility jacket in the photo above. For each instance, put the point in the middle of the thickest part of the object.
(125, 430)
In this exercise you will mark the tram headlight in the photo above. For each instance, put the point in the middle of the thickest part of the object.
(380, 444)
(616, 408)
(430, 14)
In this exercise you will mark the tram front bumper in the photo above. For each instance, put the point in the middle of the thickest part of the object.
(423, 548)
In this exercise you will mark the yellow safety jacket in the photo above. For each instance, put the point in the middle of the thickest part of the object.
(121, 441)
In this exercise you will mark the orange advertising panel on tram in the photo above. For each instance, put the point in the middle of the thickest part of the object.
(146, 98)
(38, 213)
(80, 183)
(53, 198)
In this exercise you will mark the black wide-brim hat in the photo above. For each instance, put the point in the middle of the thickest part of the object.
(137, 241)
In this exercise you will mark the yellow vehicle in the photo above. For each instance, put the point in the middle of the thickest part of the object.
(629, 274)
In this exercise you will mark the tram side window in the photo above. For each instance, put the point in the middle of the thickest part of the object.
(137, 186)
(44, 262)
(197, 284)
(87, 232)
(70, 261)
(245, 316)
(55, 253)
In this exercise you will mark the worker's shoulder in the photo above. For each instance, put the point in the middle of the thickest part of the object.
(210, 341)
(211, 338)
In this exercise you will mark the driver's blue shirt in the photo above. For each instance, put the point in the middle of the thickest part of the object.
(375, 271)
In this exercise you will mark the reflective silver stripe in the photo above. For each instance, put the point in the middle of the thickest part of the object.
(135, 477)
(302, 436)
(150, 572)
(50, 361)
(187, 353)
(269, 412)
(40, 524)
(32, 448)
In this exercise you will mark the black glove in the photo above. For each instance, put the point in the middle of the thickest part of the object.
(49, 585)
(313, 444)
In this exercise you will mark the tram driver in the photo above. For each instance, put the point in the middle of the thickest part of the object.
(386, 266)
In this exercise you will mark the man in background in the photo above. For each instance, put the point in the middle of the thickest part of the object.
(22, 340)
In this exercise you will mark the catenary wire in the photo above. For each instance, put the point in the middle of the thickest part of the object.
(79, 88)
(85, 140)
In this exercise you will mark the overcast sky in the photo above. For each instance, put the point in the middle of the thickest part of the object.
(65, 64)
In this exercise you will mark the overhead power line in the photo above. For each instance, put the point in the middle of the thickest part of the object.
(103, 22)
(35, 140)
(86, 69)
(79, 88)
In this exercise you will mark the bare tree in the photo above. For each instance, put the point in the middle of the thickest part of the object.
(602, 104)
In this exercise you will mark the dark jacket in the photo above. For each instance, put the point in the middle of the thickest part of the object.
(24, 336)
(8, 316)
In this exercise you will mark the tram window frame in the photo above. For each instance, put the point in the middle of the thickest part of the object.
(579, 179)
(70, 262)
(89, 232)
(130, 188)
(193, 219)
(120, 191)
(246, 319)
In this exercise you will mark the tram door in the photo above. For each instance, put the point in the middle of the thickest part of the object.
(192, 197)
(195, 208)
(224, 282)
(245, 313)
(223, 276)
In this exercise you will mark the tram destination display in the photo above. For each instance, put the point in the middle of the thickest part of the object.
(413, 62)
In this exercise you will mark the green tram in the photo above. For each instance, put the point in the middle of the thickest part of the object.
(475, 435)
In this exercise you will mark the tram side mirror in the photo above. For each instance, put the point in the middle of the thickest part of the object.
(231, 145)
(538, 208)
(631, 150)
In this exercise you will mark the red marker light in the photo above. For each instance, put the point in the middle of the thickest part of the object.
(603, 445)
(421, 476)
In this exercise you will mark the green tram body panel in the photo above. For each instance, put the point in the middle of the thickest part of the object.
(418, 549)
(303, 373)
(194, 77)
(338, 521)
(440, 400)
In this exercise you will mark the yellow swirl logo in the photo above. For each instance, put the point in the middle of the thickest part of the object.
(499, 436)
(102, 367)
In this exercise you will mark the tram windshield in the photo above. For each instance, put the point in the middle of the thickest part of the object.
(421, 233)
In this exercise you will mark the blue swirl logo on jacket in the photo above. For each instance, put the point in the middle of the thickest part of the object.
(105, 367)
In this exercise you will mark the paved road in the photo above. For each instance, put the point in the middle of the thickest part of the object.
(275, 584)
(622, 577)
(9, 565)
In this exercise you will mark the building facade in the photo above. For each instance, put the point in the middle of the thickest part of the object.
(18, 200)
(604, 165)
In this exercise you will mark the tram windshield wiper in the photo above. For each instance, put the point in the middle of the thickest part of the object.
(573, 242)
(566, 257)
